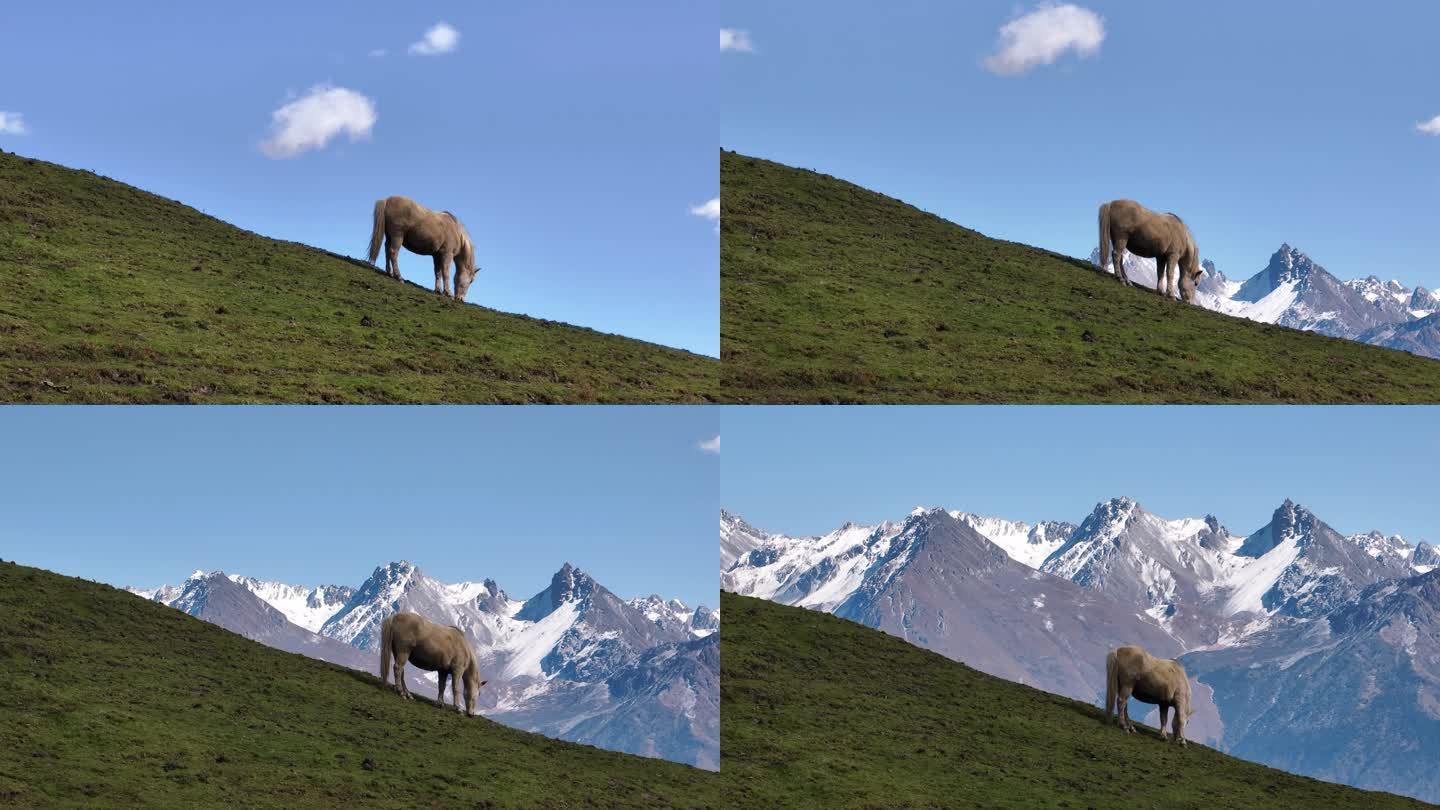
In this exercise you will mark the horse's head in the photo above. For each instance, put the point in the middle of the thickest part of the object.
(471, 679)
(465, 268)
(1190, 273)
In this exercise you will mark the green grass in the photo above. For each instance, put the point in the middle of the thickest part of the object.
(820, 712)
(832, 293)
(111, 294)
(111, 700)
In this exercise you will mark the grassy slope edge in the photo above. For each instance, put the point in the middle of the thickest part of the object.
(111, 699)
(111, 294)
(833, 293)
(817, 711)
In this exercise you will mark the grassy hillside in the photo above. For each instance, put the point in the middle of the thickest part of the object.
(832, 293)
(821, 712)
(110, 294)
(111, 699)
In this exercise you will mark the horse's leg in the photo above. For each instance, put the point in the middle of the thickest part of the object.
(1179, 725)
(440, 261)
(392, 255)
(1124, 698)
(455, 689)
(1120, 262)
(1159, 274)
(1164, 716)
(442, 273)
(1172, 267)
(400, 659)
(441, 699)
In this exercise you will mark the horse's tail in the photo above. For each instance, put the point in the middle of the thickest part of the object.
(378, 230)
(1111, 670)
(385, 636)
(1104, 236)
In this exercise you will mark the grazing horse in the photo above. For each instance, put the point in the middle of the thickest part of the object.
(435, 647)
(1132, 672)
(405, 223)
(1128, 225)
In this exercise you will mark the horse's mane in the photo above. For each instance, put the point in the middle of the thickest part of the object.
(457, 221)
(1177, 217)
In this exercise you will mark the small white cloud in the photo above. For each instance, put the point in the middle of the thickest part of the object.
(733, 39)
(441, 38)
(710, 209)
(13, 123)
(313, 120)
(711, 445)
(378, 53)
(1431, 127)
(1044, 35)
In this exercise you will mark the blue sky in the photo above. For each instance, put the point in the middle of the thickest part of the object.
(1260, 123)
(572, 139)
(143, 496)
(807, 470)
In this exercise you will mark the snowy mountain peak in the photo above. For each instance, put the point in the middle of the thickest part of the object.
(1378, 545)
(1114, 512)
(1289, 521)
(1288, 268)
(1425, 558)
(569, 584)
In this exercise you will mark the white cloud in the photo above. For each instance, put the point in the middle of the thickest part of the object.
(710, 209)
(1044, 35)
(711, 445)
(13, 123)
(733, 39)
(1431, 127)
(378, 53)
(313, 120)
(441, 38)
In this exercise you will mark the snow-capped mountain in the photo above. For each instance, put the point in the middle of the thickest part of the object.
(218, 599)
(736, 538)
(1026, 543)
(1421, 336)
(936, 581)
(1425, 558)
(672, 613)
(551, 661)
(1170, 568)
(306, 606)
(1292, 609)
(1305, 568)
(664, 702)
(1293, 290)
(1350, 696)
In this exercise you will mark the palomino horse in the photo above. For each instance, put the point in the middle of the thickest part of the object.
(409, 637)
(1128, 225)
(1132, 672)
(404, 222)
